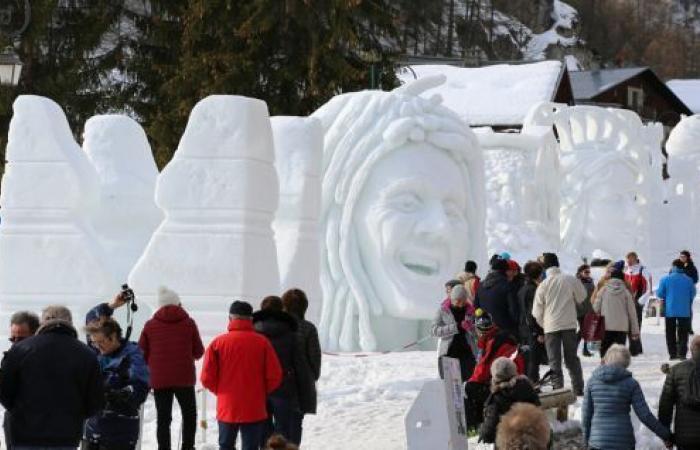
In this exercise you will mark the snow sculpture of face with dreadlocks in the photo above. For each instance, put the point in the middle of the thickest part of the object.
(402, 208)
(601, 194)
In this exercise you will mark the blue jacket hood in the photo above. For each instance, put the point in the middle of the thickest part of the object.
(677, 270)
(611, 374)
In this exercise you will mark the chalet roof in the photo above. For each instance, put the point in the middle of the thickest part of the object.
(498, 95)
(588, 84)
(688, 91)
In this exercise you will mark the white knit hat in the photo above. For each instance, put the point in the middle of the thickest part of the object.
(167, 297)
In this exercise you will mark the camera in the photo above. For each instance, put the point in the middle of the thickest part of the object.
(129, 297)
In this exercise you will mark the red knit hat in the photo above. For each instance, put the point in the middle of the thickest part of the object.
(512, 265)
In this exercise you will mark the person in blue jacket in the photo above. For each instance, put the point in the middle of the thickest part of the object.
(605, 413)
(677, 291)
(126, 379)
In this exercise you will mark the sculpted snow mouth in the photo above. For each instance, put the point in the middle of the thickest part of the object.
(420, 265)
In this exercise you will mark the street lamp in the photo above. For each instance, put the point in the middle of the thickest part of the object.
(10, 67)
(10, 64)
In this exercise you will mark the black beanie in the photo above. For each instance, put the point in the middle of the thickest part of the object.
(470, 266)
(550, 260)
(499, 264)
(239, 308)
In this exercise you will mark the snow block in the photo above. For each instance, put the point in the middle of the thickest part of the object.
(298, 154)
(219, 194)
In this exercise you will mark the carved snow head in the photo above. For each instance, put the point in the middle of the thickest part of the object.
(403, 207)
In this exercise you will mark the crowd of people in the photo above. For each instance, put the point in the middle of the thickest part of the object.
(503, 328)
(59, 392)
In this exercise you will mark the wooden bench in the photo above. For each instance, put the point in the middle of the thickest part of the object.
(558, 399)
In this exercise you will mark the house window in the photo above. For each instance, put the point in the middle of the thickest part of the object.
(635, 98)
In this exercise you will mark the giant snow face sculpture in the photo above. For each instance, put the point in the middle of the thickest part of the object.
(412, 226)
(402, 209)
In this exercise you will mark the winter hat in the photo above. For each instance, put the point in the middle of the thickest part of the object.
(458, 293)
(513, 265)
(550, 260)
(618, 266)
(470, 266)
(503, 369)
(499, 264)
(505, 255)
(166, 297)
(483, 321)
(239, 308)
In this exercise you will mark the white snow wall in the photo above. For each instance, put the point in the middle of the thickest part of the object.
(298, 154)
(219, 194)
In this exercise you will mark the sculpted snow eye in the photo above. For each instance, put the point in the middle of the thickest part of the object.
(406, 203)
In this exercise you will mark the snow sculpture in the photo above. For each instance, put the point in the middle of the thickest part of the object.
(219, 194)
(127, 215)
(602, 207)
(48, 250)
(402, 208)
(298, 154)
(684, 191)
(522, 188)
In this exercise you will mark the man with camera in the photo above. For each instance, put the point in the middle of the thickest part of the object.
(51, 384)
(125, 383)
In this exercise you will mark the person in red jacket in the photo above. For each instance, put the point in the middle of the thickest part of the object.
(492, 343)
(241, 369)
(171, 343)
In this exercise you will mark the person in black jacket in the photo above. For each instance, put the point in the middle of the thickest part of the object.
(51, 383)
(507, 388)
(692, 271)
(281, 328)
(495, 295)
(681, 393)
(296, 304)
(531, 333)
(689, 266)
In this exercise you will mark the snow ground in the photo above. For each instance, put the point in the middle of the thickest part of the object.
(362, 400)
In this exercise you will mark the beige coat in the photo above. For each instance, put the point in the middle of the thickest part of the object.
(554, 307)
(616, 304)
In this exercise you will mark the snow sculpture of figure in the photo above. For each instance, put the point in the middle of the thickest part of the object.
(219, 194)
(602, 210)
(298, 154)
(522, 188)
(684, 191)
(127, 215)
(48, 250)
(402, 208)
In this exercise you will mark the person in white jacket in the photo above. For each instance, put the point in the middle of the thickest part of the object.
(554, 309)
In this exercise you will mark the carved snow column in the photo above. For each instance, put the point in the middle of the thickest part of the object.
(298, 156)
(683, 147)
(127, 214)
(219, 194)
(48, 252)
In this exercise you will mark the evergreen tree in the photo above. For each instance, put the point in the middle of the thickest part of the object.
(66, 52)
(293, 54)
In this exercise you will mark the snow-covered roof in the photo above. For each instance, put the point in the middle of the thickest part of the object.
(688, 91)
(587, 84)
(499, 95)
